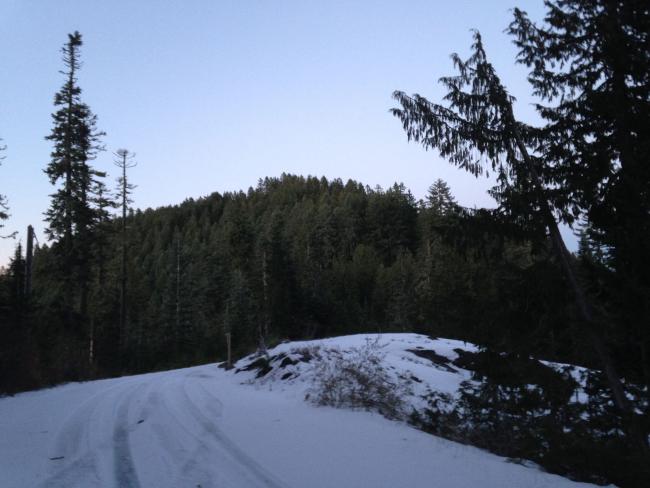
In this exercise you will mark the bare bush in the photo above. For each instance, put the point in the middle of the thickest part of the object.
(358, 379)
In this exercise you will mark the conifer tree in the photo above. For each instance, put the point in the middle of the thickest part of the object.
(16, 273)
(478, 132)
(238, 317)
(76, 141)
(439, 199)
(102, 201)
(589, 64)
(124, 160)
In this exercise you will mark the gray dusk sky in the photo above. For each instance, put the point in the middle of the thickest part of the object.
(213, 95)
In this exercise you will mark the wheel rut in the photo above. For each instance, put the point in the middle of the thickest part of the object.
(155, 430)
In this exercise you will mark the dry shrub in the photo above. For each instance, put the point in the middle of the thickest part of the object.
(358, 379)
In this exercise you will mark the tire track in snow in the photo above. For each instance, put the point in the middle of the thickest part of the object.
(179, 443)
(195, 452)
(258, 475)
(71, 462)
(189, 453)
(124, 472)
(80, 451)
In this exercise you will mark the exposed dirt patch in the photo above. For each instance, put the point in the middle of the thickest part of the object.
(261, 365)
(435, 358)
(287, 361)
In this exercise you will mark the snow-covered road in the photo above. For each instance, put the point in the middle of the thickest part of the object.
(151, 430)
(201, 427)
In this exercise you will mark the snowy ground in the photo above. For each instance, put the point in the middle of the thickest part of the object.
(207, 427)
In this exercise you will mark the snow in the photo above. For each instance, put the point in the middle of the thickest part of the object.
(208, 427)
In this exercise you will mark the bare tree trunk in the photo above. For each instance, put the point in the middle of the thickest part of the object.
(91, 343)
(228, 347)
(178, 285)
(84, 264)
(29, 256)
(264, 332)
(123, 263)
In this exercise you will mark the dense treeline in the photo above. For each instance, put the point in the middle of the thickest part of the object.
(293, 258)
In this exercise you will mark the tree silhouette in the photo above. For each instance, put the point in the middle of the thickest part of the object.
(478, 132)
(124, 160)
(71, 216)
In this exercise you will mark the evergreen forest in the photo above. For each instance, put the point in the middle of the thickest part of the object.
(118, 290)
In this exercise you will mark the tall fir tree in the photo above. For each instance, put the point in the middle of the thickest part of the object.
(71, 216)
(589, 64)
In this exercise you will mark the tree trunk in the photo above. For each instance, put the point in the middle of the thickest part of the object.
(123, 263)
(264, 332)
(67, 235)
(178, 285)
(91, 344)
(29, 256)
(228, 347)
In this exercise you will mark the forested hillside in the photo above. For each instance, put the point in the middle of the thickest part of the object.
(294, 257)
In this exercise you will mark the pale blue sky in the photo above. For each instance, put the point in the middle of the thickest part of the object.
(213, 95)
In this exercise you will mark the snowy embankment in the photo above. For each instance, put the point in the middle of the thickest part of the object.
(207, 427)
